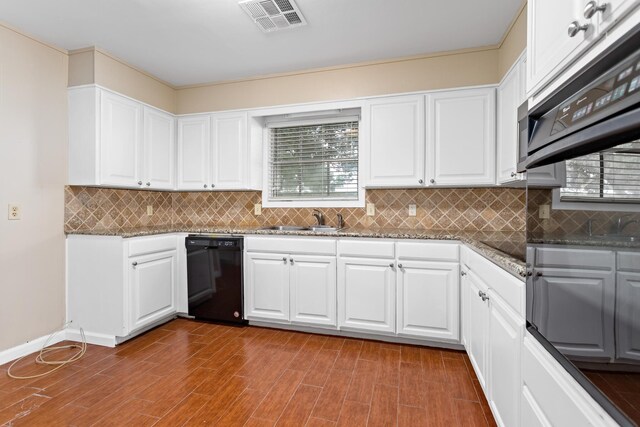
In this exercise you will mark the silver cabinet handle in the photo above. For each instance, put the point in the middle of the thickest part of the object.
(148, 184)
(575, 28)
(139, 182)
(538, 273)
(480, 294)
(134, 263)
(399, 265)
(205, 186)
(485, 297)
(213, 185)
(432, 181)
(592, 8)
(513, 174)
(391, 265)
(291, 261)
(463, 273)
(284, 258)
(420, 181)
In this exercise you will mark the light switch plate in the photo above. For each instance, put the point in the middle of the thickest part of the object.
(544, 211)
(149, 210)
(15, 212)
(412, 210)
(371, 209)
(257, 209)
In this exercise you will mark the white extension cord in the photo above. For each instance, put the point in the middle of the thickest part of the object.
(40, 360)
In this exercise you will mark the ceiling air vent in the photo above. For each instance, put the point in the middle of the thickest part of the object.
(273, 15)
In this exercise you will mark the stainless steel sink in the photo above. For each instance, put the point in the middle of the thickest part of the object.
(610, 238)
(324, 229)
(314, 228)
(284, 228)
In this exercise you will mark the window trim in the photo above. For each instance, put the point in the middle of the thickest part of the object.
(267, 202)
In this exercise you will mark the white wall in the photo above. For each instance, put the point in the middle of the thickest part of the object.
(33, 168)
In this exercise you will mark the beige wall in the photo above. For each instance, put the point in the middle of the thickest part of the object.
(88, 66)
(33, 171)
(513, 44)
(429, 72)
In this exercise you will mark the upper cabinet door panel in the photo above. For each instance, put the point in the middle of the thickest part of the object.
(194, 141)
(508, 100)
(159, 149)
(229, 151)
(120, 141)
(461, 137)
(396, 141)
(549, 46)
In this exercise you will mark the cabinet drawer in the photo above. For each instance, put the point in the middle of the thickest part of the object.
(297, 245)
(367, 248)
(147, 245)
(431, 251)
(629, 261)
(574, 258)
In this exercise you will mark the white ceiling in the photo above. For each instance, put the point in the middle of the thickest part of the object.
(195, 41)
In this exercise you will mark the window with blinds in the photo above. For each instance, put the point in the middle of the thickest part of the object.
(317, 161)
(611, 176)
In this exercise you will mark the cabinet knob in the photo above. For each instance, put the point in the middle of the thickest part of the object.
(213, 185)
(463, 273)
(399, 265)
(480, 294)
(420, 181)
(284, 258)
(134, 263)
(592, 8)
(513, 174)
(432, 181)
(575, 28)
(205, 186)
(291, 261)
(391, 265)
(538, 273)
(148, 184)
(139, 182)
(485, 297)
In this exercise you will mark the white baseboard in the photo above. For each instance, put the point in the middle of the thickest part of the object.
(92, 338)
(29, 347)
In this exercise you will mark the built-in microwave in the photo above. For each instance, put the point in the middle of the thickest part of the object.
(583, 236)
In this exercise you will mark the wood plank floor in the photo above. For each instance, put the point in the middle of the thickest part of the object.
(192, 373)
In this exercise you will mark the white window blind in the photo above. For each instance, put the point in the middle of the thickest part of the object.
(607, 176)
(314, 161)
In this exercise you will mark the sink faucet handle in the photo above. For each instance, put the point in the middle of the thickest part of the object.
(340, 220)
(590, 222)
(319, 216)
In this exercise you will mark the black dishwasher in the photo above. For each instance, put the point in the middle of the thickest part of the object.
(214, 278)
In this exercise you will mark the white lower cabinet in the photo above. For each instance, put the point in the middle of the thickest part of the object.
(313, 289)
(267, 286)
(428, 299)
(477, 335)
(366, 294)
(152, 287)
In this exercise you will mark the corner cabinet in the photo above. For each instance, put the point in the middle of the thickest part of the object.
(395, 133)
(461, 143)
(118, 142)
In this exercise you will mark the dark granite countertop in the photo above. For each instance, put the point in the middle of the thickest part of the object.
(481, 241)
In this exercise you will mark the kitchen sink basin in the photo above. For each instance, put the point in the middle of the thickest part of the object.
(314, 228)
(284, 228)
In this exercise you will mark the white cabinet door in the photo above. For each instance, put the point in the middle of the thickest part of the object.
(549, 47)
(506, 331)
(395, 152)
(428, 299)
(366, 294)
(578, 310)
(508, 100)
(628, 316)
(120, 141)
(152, 280)
(461, 142)
(267, 286)
(194, 143)
(313, 289)
(478, 333)
(159, 149)
(229, 151)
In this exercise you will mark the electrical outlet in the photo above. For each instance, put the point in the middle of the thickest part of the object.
(15, 212)
(257, 209)
(412, 210)
(149, 210)
(544, 212)
(371, 209)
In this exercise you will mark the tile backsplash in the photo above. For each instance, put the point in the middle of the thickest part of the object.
(477, 209)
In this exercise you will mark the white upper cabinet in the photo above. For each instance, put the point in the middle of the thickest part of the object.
(194, 144)
(229, 151)
(550, 47)
(120, 141)
(510, 94)
(395, 153)
(159, 149)
(461, 137)
(115, 141)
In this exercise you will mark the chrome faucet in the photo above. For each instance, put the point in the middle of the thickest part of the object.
(319, 216)
(619, 225)
(340, 220)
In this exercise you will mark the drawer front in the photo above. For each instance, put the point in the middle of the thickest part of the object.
(367, 248)
(574, 258)
(428, 251)
(629, 261)
(297, 245)
(151, 244)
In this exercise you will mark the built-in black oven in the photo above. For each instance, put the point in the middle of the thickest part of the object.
(583, 235)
